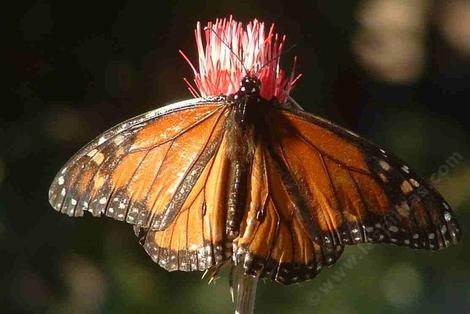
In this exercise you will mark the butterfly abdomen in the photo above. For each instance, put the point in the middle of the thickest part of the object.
(239, 155)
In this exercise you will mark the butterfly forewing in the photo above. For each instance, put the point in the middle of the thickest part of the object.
(195, 238)
(133, 171)
(358, 191)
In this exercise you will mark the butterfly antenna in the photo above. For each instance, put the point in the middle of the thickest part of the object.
(228, 46)
(276, 58)
(295, 104)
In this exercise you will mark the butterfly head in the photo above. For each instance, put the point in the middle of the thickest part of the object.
(250, 86)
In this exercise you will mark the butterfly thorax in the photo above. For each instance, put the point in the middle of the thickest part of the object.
(247, 102)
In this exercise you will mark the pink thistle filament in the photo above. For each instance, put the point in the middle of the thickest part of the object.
(228, 52)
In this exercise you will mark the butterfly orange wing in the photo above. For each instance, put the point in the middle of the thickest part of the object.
(141, 169)
(274, 240)
(316, 187)
(195, 240)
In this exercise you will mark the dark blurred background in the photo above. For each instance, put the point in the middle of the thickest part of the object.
(395, 71)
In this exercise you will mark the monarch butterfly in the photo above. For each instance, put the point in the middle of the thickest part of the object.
(241, 174)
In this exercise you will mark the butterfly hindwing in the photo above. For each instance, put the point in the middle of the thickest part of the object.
(278, 238)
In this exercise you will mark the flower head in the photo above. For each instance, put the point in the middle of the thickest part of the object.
(228, 52)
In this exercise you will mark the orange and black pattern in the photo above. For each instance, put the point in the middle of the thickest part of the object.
(277, 190)
(327, 187)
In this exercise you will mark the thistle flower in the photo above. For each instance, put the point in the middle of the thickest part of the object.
(228, 51)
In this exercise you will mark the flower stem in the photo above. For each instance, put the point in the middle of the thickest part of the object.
(246, 293)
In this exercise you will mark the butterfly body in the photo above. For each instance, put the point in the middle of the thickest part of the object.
(243, 130)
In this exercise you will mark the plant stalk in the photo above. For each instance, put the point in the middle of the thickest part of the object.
(246, 293)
